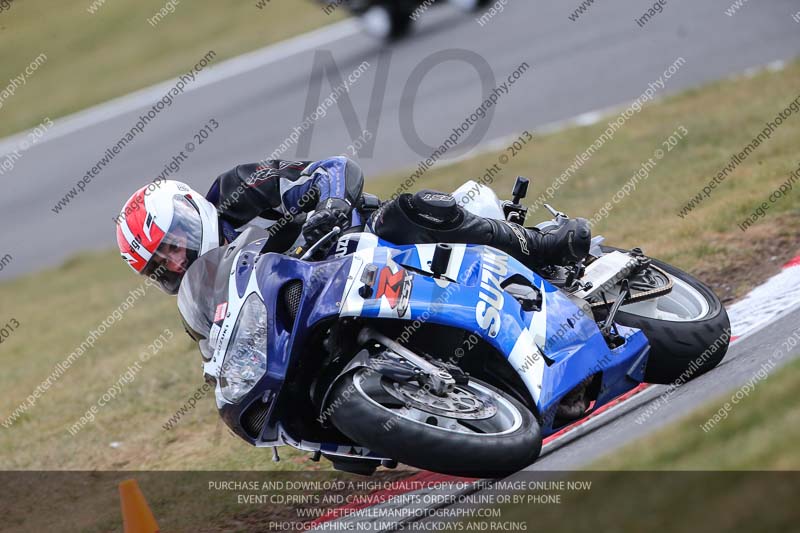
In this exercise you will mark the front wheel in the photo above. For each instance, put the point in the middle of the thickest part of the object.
(473, 431)
(688, 328)
(470, 5)
(387, 22)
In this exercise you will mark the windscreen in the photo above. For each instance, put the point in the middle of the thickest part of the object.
(205, 286)
(201, 291)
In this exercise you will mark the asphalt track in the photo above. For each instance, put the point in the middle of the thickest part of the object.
(602, 59)
(743, 361)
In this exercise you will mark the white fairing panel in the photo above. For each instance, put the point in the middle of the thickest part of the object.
(479, 200)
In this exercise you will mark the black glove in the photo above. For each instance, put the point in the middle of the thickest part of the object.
(329, 214)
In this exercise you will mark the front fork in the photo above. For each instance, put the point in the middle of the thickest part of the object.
(398, 363)
(440, 380)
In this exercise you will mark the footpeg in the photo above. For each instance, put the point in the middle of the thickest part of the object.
(441, 259)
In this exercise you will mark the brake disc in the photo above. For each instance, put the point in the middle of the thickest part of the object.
(459, 403)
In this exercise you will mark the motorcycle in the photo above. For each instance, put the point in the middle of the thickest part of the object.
(454, 358)
(393, 19)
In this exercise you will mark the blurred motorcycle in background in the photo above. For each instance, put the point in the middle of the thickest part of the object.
(393, 19)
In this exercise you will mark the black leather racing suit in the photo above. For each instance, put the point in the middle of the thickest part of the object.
(277, 195)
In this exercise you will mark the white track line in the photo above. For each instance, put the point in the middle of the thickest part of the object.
(214, 74)
(767, 302)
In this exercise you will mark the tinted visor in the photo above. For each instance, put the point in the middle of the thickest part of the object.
(179, 247)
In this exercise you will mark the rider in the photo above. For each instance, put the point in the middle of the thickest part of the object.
(166, 225)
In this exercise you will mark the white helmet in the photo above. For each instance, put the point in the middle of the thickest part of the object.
(163, 228)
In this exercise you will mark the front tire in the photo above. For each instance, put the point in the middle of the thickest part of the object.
(390, 419)
(470, 5)
(688, 329)
(388, 22)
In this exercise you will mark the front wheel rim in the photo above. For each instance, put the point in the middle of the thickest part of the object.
(506, 417)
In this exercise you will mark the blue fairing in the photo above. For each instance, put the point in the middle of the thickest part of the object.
(285, 336)
(553, 350)
(571, 343)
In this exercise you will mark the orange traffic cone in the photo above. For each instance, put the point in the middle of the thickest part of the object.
(136, 515)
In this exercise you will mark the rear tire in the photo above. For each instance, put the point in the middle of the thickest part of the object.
(363, 415)
(682, 350)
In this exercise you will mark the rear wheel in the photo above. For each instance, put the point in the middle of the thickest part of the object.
(474, 430)
(688, 328)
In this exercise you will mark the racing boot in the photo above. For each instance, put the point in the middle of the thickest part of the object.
(562, 241)
(432, 216)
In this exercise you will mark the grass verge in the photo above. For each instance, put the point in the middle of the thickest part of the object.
(760, 432)
(94, 57)
(57, 308)
(721, 119)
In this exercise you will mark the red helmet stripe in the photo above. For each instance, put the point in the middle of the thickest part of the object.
(135, 244)
(137, 240)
